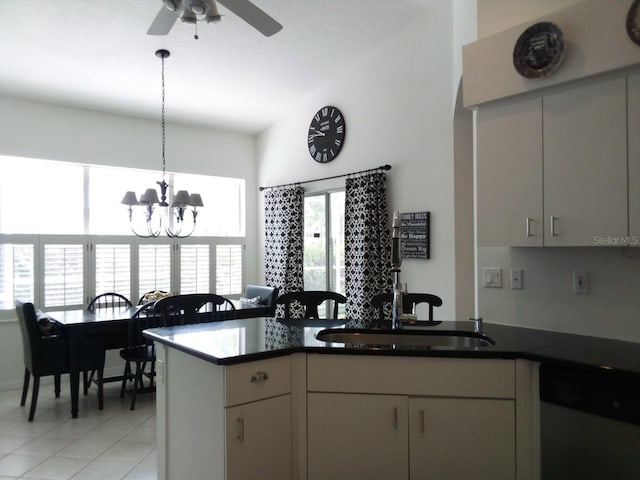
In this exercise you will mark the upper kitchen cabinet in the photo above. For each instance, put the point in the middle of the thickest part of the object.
(585, 163)
(633, 93)
(509, 173)
(552, 169)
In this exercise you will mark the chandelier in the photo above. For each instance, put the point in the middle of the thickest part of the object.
(169, 218)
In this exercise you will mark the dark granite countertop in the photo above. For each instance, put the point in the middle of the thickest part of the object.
(238, 341)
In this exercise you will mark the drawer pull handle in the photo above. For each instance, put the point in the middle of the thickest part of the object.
(259, 377)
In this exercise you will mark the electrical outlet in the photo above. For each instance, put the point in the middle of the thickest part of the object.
(492, 277)
(580, 282)
(516, 279)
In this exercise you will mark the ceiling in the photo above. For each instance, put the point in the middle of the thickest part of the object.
(96, 54)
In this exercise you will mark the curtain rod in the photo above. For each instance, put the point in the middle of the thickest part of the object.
(383, 167)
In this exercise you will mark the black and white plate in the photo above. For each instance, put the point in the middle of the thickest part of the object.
(538, 50)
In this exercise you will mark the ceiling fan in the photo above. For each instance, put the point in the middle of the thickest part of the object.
(193, 11)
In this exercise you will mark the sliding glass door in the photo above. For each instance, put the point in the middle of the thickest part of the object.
(324, 241)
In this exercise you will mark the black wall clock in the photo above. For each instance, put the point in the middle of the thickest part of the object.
(326, 134)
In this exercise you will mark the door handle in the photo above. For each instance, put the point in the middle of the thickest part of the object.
(395, 418)
(422, 428)
(552, 221)
(528, 226)
(241, 429)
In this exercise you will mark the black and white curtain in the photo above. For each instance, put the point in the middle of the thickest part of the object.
(367, 246)
(284, 240)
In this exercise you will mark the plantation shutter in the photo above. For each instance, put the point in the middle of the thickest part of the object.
(16, 274)
(63, 275)
(195, 269)
(113, 269)
(154, 268)
(228, 269)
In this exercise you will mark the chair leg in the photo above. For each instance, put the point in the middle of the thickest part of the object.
(56, 382)
(100, 389)
(136, 381)
(86, 381)
(126, 376)
(25, 386)
(34, 397)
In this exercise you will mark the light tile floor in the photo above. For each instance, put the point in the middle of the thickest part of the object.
(111, 444)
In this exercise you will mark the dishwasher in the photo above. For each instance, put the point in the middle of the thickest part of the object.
(590, 425)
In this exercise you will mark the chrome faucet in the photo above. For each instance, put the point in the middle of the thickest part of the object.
(396, 260)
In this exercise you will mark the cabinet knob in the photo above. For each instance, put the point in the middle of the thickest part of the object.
(260, 376)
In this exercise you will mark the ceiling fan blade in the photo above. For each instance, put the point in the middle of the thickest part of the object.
(253, 15)
(163, 22)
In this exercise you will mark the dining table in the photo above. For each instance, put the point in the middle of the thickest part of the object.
(107, 328)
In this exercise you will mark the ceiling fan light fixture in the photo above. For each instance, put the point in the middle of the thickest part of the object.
(188, 16)
(213, 15)
(198, 7)
(173, 5)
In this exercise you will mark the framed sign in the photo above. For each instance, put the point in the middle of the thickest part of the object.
(414, 235)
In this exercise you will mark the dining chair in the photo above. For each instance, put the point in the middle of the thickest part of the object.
(46, 353)
(109, 300)
(383, 301)
(168, 311)
(266, 296)
(139, 350)
(114, 301)
(310, 300)
(192, 308)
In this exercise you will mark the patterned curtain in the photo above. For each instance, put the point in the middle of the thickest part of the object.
(284, 230)
(367, 246)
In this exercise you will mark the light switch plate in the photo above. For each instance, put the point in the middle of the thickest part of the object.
(580, 282)
(492, 277)
(516, 279)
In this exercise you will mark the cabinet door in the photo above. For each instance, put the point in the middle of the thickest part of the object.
(509, 173)
(461, 438)
(259, 440)
(633, 135)
(585, 163)
(357, 436)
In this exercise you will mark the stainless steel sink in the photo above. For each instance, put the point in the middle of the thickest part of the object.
(406, 338)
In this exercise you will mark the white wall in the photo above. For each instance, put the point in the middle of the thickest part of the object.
(612, 306)
(398, 106)
(45, 131)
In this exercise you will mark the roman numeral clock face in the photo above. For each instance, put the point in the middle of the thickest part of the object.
(326, 134)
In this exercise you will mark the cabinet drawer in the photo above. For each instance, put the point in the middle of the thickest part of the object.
(428, 376)
(247, 382)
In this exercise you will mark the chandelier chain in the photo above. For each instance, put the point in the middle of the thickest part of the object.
(163, 125)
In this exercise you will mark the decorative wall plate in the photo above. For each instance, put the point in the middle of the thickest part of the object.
(538, 50)
(633, 22)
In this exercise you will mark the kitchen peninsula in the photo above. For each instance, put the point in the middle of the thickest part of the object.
(262, 398)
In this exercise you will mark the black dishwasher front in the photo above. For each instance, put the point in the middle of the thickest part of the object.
(590, 424)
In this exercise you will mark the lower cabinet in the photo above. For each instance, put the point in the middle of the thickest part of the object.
(223, 422)
(461, 438)
(400, 437)
(356, 436)
(259, 439)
